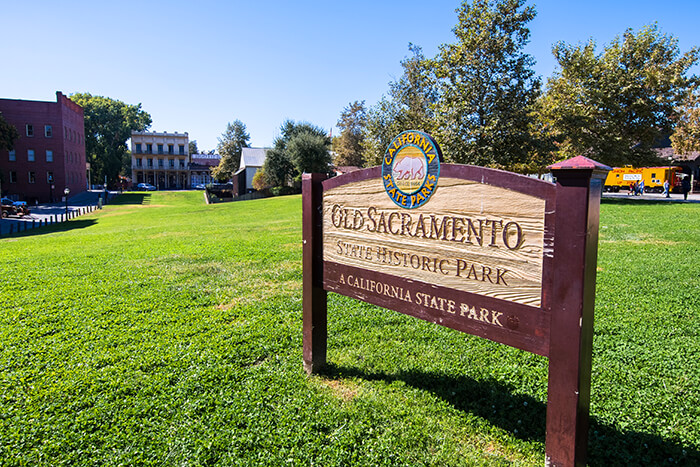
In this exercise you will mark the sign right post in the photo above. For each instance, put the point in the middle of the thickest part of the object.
(579, 184)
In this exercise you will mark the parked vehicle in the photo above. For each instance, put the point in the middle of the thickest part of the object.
(145, 187)
(13, 208)
(653, 178)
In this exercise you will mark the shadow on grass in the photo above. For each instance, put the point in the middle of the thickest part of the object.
(74, 224)
(524, 417)
(132, 198)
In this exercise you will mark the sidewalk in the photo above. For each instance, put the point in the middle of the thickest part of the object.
(52, 211)
(675, 197)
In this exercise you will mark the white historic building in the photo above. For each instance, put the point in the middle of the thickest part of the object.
(161, 159)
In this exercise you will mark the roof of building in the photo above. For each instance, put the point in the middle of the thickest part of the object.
(670, 154)
(253, 157)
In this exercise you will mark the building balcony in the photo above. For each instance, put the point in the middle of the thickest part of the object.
(159, 169)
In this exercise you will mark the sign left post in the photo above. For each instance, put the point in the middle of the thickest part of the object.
(315, 334)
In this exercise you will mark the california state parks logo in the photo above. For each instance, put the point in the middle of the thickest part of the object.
(411, 168)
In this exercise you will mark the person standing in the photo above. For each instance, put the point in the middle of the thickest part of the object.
(685, 186)
(666, 189)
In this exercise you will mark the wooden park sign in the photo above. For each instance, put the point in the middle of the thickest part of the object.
(487, 252)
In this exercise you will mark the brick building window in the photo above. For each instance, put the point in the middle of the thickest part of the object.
(181, 148)
(30, 155)
(49, 155)
(139, 162)
(160, 149)
(149, 148)
(171, 163)
(13, 155)
(29, 129)
(138, 148)
(150, 162)
(13, 176)
(32, 177)
(48, 131)
(171, 149)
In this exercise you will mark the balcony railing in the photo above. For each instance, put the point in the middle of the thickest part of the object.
(160, 168)
(163, 153)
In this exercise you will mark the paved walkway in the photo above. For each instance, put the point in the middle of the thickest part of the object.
(52, 212)
(674, 198)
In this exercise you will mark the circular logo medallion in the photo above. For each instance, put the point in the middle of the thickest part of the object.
(411, 168)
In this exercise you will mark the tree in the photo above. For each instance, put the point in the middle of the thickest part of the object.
(615, 105)
(8, 134)
(260, 181)
(487, 87)
(283, 166)
(278, 168)
(409, 105)
(309, 153)
(686, 137)
(231, 144)
(192, 147)
(348, 146)
(108, 126)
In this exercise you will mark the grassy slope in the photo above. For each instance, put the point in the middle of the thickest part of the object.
(163, 331)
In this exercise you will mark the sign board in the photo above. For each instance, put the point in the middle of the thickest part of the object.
(491, 253)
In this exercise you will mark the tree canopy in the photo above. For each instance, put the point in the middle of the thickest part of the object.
(108, 126)
(231, 144)
(301, 147)
(476, 96)
(348, 146)
(8, 134)
(487, 86)
(686, 137)
(615, 105)
(409, 105)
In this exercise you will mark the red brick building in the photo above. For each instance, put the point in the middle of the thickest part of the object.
(50, 150)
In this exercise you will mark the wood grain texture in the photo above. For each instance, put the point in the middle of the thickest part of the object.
(491, 264)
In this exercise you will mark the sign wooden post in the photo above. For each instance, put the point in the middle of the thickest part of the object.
(491, 253)
(579, 188)
(314, 296)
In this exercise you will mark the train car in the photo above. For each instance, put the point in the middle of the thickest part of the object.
(653, 178)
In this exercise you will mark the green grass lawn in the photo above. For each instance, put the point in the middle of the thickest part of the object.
(162, 331)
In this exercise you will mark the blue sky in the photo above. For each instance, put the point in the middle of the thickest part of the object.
(195, 66)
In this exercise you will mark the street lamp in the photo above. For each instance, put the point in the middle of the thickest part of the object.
(66, 191)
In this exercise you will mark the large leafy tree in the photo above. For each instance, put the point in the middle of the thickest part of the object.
(309, 153)
(108, 126)
(487, 85)
(615, 105)
(301, 147)
(348, 146)
(409, 105)
(231, 144)
(8, 134)
(686, 137)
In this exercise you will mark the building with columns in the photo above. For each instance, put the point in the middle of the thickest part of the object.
(161, 159)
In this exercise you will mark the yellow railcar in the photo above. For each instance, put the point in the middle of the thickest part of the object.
(653, 178)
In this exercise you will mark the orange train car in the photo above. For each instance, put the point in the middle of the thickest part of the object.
(653, 178)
